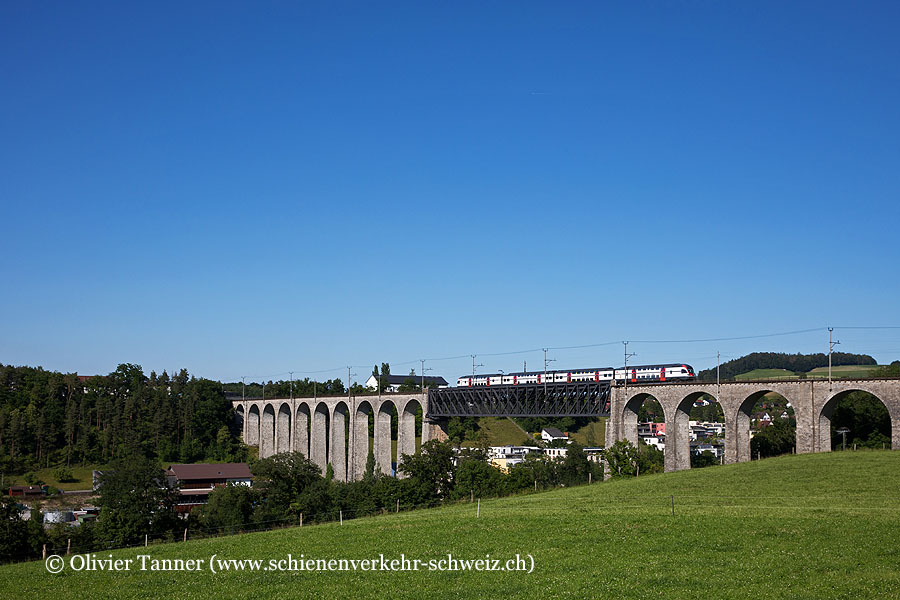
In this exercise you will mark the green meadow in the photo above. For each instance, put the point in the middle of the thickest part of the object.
(810, 526)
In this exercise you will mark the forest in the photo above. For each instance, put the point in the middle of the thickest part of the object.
(49, 418)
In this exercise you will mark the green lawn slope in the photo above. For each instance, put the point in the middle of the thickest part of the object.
(811, 526)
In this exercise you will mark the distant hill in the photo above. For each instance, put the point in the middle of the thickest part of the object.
(796, 363)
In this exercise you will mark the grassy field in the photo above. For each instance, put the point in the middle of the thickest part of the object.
(849, 371)
(599, 429)
(82, 475)
(500, 431)
(843, 372)
(809, 526)
(767, 374)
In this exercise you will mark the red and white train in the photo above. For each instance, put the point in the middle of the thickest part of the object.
(636, 374)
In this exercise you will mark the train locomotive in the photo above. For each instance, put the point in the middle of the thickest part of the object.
(635, 374)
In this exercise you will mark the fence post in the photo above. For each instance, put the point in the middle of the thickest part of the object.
(478, 509)
(145, 540)
(185, 535)
(398, 504)
(341, 516)
(589, 477)
(301, 519)
(673, 505)
(44, 552)
(69, 547)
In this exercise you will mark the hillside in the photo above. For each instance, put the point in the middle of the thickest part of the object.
(811, 526)
(800, 363)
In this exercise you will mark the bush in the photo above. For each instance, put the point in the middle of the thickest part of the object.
(64, 475)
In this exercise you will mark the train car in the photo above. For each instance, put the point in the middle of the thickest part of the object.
(635, 374)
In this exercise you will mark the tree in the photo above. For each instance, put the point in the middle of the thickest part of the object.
(867, 419)
(537, 470)
(705, 459)
(281, 479)
(774, 440)
(576, 467)
(622, 458)
(134, 500)
(410, 384)
(429, 473)
(229, 507)
(14, 534)
(650, 459)
(477, 477)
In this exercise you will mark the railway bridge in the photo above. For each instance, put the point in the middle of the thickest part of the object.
(335, 430)
(813, 401)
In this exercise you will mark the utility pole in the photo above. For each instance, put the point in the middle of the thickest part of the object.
(292, 384)
(626, 368)
(831, 346)
(422, 360)
(545, 370)
(474, 366)
(243, 395)
(717, 376)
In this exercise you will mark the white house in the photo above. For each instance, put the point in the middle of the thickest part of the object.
(550, 434)
(658, 442)
(395, 381)
(556, 453)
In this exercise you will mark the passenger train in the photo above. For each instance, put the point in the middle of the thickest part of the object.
(636, 374)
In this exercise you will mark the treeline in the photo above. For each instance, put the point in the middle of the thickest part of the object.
(49, 419)
(303, 388)
(778, 360)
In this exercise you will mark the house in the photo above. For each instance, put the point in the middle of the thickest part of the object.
(594, 454)
(699, 448)
(393, 382)
(504, 457)
(651, 429)
(196, 482)
(551, 434)
(26, 491)
(555, 453)
(658, 442)
(714, 428)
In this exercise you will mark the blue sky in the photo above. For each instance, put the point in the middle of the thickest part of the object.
(245, 190)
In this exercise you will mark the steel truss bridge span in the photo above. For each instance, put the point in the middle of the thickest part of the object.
(581, 399)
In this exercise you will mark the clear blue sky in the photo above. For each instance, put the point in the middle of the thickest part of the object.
(252, 188)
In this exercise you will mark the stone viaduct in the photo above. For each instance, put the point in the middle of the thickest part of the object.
(813, 401)
(335, 430)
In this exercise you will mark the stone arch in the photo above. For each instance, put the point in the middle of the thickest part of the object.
(340, 421)
(823, 429)
(742, 425)
(383, 452)
(360, 437)
(267, 432)
(406, 427)
(630, 415)
(301, 429)
(678, 429)
(318, 443)
(252, 438)
(239, 418)
(283, 429)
